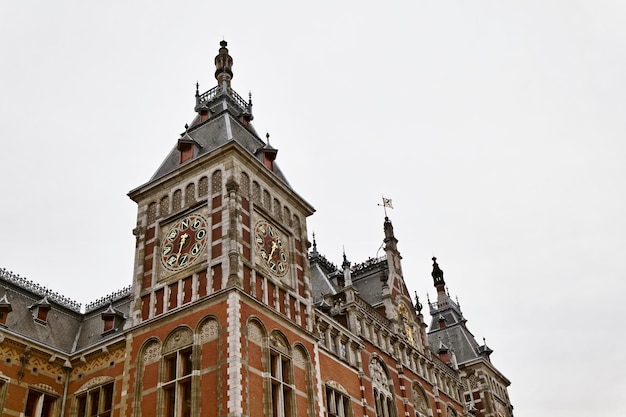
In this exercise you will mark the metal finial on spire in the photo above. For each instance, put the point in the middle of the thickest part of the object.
(267, 136)
(223, 65)
(197, 88)
(186, 127)
(418, 305)
(314, 244)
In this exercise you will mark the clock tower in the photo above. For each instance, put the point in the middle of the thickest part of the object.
(219, 212)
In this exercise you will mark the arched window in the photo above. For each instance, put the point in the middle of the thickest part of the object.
(190, 194)
(177, 200)
(383, 395)
(337, 400)
(203, 187)
(245, 185)
(95, 399)
(176, 373)
(420, 401)
(165, 206)
(40, 402)
(281, 377)
(152, 209)
(216, 182)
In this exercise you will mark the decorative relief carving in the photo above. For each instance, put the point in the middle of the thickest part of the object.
(473, 381)
(299, 358)
(99, 380)
(44, 388)
(208, 331)
(279, 342)
(337, 386)
(181, 337)
(255, 333)
(419, 399)
(377, 372)
(151, 352)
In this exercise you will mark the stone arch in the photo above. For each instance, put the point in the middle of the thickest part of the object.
(216, 182)
(95, 381)
(267, 200)
(190, 194)
(256, 192)
(203, 186)
(245, 185)
(164, 206)
(257, 333)
(420, 400)
(280, 342)
(152, 211)
(208, 329)
(177, 200)
(179, 337)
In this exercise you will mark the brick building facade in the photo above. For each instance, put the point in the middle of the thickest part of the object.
(232, 311)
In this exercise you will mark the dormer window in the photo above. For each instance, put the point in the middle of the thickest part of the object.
(187, 147)
(40, 310)
(5, 309)
(111, 318)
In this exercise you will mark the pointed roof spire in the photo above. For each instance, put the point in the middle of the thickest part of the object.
(223, 65)
(347, 273)
(247, 114)
(314, 244)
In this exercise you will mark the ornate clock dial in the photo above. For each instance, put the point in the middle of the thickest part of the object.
(272, 248)
(184, 242)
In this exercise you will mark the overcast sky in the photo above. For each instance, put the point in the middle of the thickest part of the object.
(496, 127)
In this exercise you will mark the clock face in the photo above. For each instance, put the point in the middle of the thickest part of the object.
(272, 248)
(184, 242)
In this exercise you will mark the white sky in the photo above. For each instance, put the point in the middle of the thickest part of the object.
(497, 128)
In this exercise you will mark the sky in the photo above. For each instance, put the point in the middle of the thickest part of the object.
(496, 127)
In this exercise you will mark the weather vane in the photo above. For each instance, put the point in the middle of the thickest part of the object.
(386, 203)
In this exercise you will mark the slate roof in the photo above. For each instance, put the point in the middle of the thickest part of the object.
(225, 124)
(65, 329)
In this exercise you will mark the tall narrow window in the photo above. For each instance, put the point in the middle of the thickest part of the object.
(337, 403)
(177, 383)
(39, 404)
(281, 384)
(96, 402)
(383, 394)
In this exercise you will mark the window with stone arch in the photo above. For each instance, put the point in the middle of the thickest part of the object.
(277, 209)
(282, 390)
(337, 400)
(303, 372)
(384, 404)
(41, 401)
(165, 206)
(420, 400)
(256, 192)
(245, 185)
(267, 201)
(148, 360)
(177, 366)
(177, 200)
(203, 187)
(450, 412)
(3, 390)
(216, 182)
(190, 194)
(152, 209)
(95, 398)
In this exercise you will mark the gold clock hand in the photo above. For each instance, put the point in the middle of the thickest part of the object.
(274, 246)
(183, 239)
